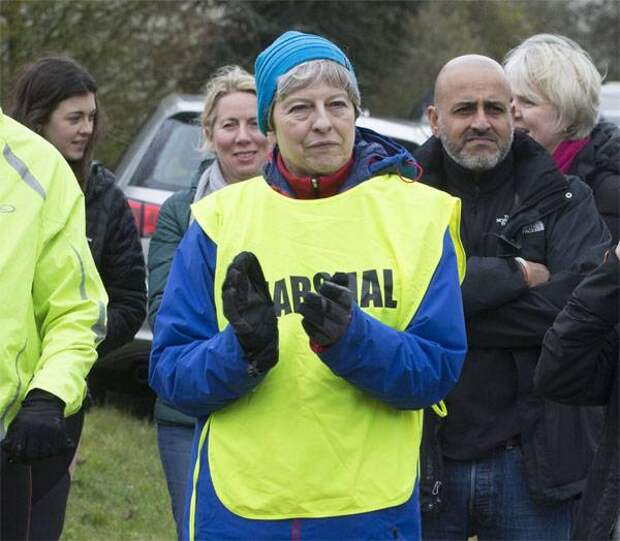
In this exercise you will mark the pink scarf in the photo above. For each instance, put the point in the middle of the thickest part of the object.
(566, 152)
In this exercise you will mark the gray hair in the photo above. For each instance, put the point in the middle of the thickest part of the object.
(226, 80)
(317, 71)
(555, 69)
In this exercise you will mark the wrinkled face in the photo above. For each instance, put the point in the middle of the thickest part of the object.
(539, 119)
(315, 129)
(71, 125)
(239, 145)
(472, 117)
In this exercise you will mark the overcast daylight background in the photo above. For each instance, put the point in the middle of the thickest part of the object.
(142, 50)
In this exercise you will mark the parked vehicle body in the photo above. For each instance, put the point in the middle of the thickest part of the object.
(610, 102)
(163, 159)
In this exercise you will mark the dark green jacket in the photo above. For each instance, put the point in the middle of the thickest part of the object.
(171, 226)
(172, 223)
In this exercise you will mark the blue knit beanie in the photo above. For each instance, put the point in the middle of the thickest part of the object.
(286, 52)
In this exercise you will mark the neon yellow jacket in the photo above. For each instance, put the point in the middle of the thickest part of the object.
(53, 308)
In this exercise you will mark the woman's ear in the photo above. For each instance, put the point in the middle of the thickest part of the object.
(206, 134)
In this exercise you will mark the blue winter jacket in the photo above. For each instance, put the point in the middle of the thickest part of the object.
(199, 369)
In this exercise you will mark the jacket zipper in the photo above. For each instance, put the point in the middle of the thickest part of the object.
(315, 186)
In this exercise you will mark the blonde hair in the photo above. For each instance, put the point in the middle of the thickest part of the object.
(226, 80)
(555, 69)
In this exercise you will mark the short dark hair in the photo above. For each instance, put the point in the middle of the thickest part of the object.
(39, 89)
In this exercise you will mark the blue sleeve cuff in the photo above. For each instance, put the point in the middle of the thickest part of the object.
(194, 366)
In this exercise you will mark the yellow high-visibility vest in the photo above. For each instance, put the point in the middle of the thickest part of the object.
(307, 443)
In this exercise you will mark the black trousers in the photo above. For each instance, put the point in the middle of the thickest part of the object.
(34, 496)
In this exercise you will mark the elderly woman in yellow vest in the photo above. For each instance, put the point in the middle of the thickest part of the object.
(309, 315)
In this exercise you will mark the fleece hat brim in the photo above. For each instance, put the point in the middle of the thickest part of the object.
(289, 50)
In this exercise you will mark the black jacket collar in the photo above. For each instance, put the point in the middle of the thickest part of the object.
(464, 181)
(540, 187)
(534, 172)
(600, 154)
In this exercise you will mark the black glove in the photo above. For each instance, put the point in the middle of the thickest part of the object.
(38, 430)
(326, 316)
(249, 309)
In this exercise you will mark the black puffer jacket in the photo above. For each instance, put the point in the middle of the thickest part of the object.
(598, 164)
(579, 365)
(116, 249)
(524, 207)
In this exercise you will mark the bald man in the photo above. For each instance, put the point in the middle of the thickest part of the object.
(512, 463)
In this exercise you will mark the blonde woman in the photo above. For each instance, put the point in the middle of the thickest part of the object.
(556, 92)
(230, 130)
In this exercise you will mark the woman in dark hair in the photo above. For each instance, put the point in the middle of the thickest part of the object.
(44, 90)
(57, 98)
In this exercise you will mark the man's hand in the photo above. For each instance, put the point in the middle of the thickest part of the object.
(326, 315)
(38, 430)
(534, 273)
(249, 309)
(618, 250)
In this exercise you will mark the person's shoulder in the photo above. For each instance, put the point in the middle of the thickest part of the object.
(27, 159)
(606, 143)
(430, 157)
(28, 152)
(103, 192)
(578, 190)
(180, 198)
(101, 172)
(100, 176)
(102, 183)
(235, 192)
(16, 135)
(535, 172)
(429, 152)
(431, 192)
(176, 209)
(527, 151)
(604, 132)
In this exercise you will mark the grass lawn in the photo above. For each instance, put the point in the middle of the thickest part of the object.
(118, 490)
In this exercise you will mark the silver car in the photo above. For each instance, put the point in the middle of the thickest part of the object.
(610, 102)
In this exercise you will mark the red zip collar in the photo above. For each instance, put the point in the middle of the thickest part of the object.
(317, 187)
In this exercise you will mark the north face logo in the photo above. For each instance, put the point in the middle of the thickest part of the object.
(502, 220)
(533, 228)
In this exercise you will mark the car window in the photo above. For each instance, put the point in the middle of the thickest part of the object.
(173, 157)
